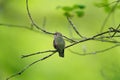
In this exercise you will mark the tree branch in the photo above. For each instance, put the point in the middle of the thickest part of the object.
(25, 68)
(96, 52)
(28, 55)
(109, 14)
(91, 38)
(116, 29)
(33, 23)
(74, 27)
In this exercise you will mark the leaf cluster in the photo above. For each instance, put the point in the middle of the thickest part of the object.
(71, 11)
(107, 5)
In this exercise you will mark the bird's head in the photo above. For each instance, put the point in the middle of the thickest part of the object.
(57, 34)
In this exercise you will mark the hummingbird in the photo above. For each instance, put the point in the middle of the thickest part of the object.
(59, 43)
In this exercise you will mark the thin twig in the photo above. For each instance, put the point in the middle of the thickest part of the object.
(28, 55)
(108, 37)
(11, 25)
(74, 27)
(109, 14)
(104, 40)
(109, 3)
(116, 29)
(68, 39)
(96, 52)
(20, 26)
(25, 68)
(31, 19)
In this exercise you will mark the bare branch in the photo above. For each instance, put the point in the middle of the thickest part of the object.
(109, 14)
(31, 28)
(104, 40)
(116, 29)
(74, 27)
(96, 52)
(11, 25)
(20, 26)
(31, 19)
(28, 55)
(68, 39)
(91, 38)
(25, 68)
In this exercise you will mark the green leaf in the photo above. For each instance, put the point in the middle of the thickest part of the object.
(67, 9)
(79, 13)
(107, 9)
(67, 14)
(100, 4)
(77, 6)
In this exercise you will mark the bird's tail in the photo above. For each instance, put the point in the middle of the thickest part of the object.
(61, 53)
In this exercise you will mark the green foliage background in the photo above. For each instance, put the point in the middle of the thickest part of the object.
(15, 41)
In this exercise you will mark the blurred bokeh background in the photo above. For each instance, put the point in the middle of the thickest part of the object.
(16, 41)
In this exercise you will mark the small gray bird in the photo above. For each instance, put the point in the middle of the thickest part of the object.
(59, 43)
